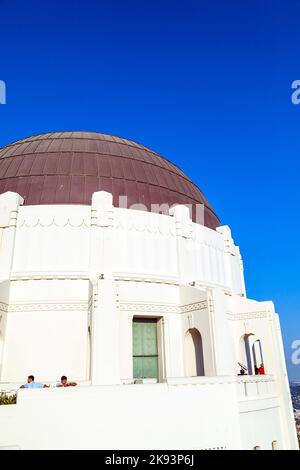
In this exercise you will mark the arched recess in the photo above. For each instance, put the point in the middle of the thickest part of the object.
(245, 354)
(251, 352)
(193, 353)
(257, 352)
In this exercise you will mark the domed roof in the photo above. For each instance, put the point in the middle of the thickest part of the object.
(68, 167)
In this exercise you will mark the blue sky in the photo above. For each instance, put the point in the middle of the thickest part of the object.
(206, 83)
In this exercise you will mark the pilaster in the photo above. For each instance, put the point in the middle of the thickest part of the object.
(9, 208)
(105, 345)
(184, 232)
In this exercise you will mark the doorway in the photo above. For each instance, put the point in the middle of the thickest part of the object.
(145, 348)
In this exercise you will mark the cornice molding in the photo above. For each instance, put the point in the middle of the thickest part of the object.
(36, 276)
(146, 278)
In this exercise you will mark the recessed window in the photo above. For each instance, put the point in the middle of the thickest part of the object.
(145, 350)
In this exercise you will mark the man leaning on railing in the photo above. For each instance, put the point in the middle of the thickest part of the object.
(32, 384)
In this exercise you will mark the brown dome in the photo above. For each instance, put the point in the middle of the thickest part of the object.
(68, 167)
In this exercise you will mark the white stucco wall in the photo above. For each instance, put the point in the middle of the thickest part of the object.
(46, 330)
(187, 413)
(72, 278)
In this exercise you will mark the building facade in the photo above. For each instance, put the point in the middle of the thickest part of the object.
(143, 304)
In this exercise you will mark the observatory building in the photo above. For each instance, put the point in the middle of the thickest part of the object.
(116, 272)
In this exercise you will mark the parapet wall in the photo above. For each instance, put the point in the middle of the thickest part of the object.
(188, 415)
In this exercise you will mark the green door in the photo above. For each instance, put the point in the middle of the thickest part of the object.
(145, 355)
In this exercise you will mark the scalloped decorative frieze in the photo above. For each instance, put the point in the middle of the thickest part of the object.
(53, 222)
(149, 228)
(142, 221)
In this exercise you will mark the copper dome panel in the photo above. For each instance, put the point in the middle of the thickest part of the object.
(68, 167)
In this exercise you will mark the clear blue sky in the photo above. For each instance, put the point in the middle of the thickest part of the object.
(206, 83)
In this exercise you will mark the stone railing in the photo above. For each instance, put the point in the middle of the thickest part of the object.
(248, 386)
(11, 388)
(251, 387)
